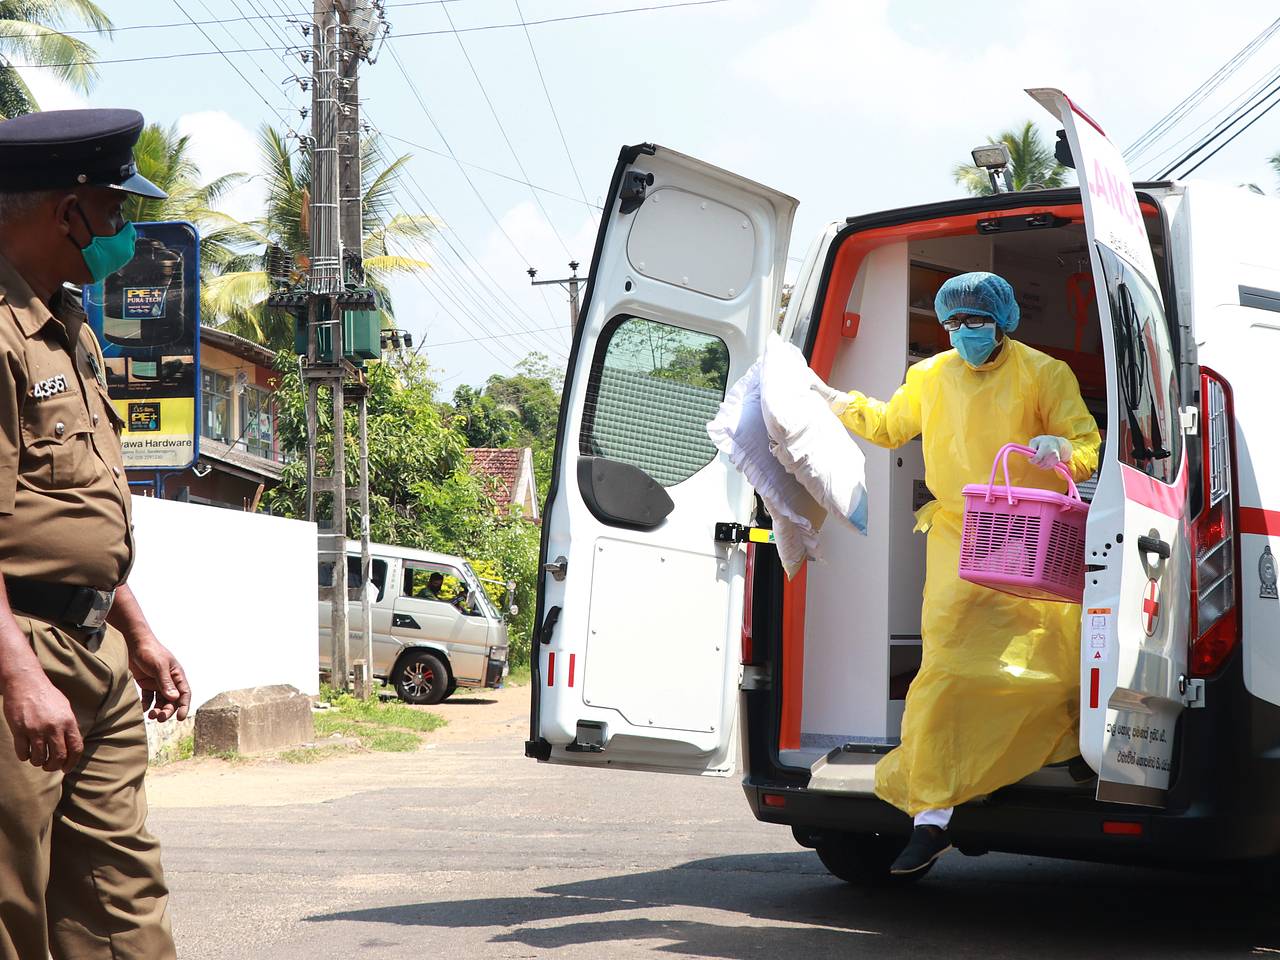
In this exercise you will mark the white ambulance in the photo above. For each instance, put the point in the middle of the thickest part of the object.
(667, 635)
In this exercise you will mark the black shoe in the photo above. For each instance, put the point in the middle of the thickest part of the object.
(927, 845)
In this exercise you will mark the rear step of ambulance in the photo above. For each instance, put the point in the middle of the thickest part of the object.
(851, 770)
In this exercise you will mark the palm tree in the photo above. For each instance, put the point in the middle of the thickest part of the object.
(29, 33)
(1031, 163)
(164, 157)
(236, 297)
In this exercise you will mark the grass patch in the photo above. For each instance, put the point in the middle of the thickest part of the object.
(184, 748)
(393, 741)
(314, 754)
(390, 727)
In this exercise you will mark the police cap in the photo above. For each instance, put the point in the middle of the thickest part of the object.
(70, 148)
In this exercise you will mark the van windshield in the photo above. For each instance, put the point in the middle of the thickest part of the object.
(478, 591)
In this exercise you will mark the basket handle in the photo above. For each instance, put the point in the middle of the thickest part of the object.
(1002, 459)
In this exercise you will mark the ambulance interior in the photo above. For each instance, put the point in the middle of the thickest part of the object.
(861, 644)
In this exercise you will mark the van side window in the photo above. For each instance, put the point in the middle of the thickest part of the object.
(438, 582)
(377, 575)
(652, 390)
(1150, 434)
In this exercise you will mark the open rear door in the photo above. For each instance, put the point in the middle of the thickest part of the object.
(1134, 637)
(637, 646)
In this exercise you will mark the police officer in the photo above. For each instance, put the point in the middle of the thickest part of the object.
(79, 874)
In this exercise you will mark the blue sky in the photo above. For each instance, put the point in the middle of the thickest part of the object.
(848, 105)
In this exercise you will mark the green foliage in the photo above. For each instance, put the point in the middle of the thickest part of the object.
(184, 748)
(1031, 163)
(30, 31)
(517, 411)
(384, 727)
(422, 493)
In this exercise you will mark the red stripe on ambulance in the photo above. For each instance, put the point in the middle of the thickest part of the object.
(1095, 681)
(551, 669)
(573, 659)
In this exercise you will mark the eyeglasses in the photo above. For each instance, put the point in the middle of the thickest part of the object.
(970, 321)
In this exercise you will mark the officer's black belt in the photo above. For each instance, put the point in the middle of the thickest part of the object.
(80, 608)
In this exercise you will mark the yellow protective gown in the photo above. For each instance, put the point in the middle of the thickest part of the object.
(997, 694)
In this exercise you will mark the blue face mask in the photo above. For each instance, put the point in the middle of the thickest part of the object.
(974, 346)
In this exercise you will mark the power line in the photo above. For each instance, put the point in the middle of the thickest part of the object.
(489, 170)
(503, 130)
(429, 209)
(416, 33)
(1143, 143)
(1258, 94)
(178, 4)
(1274, 90)
(454, 343)
(554, 115)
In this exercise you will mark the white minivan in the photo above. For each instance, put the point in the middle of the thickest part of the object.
(434, 627)
(666, 636)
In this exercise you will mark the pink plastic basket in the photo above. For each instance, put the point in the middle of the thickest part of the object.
(1023, 540)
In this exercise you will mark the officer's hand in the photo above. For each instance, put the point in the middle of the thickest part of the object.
(45, 732)
(163, 681)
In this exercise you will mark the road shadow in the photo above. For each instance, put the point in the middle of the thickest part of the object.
(786, 904)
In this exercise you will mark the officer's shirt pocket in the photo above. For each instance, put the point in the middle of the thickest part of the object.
(57, 437)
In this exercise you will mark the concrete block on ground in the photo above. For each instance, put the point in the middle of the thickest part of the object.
(254, 720)
(163, 735)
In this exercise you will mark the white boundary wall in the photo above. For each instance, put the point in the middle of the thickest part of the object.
(231, 594)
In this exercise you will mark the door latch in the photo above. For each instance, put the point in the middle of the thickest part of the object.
(1189, 418)
(737, 533)
(1192, 692)
(558, 570)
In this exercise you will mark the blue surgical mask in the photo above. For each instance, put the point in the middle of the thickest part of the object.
(974, 346)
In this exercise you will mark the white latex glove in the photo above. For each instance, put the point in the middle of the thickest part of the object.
(837, 400)
(1050, 451)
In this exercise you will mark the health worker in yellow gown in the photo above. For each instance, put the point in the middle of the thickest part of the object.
(997, 694)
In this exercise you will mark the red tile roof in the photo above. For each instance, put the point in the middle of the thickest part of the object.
(502, 464)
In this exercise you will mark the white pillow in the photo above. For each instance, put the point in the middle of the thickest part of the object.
(810, 441)
(738, 431)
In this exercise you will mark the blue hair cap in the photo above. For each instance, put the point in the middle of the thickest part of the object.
(981, 293)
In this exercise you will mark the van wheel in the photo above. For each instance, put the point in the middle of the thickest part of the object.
(421, 678)
(451, 689)
(865, 860)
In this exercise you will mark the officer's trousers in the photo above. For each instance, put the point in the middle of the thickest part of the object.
(80, 876)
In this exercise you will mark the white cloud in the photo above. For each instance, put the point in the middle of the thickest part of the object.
(220, 145)
(50, 92)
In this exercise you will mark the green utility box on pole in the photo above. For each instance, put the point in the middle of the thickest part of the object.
(361, 334)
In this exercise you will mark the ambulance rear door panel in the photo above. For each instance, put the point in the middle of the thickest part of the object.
(1135, 615)
(1235, 264)
(640, 612)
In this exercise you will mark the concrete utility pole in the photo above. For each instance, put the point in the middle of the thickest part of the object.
(572, 282)
(357, 20)
(342, 33)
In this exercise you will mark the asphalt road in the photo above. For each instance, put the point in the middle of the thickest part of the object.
(468, 850)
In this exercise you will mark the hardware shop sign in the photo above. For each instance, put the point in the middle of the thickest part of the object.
(147, 318)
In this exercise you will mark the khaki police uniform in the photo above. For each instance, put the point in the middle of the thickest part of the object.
(80, 876)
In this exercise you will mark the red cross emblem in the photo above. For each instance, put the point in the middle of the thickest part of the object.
(1150, 607)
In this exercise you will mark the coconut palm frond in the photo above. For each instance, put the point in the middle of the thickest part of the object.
(69, 58)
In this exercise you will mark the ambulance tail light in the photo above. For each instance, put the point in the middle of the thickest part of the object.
(1215, 587)
(748, 647)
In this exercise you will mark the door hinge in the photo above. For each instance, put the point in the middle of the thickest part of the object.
(1192, 691)
(634, 187)
(756, 678)
(1190, 419)
(737, 533)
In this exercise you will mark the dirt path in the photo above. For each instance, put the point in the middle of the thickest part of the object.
(473, 718)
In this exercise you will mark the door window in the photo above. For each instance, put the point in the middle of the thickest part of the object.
(1150, 435)
(440, 583)
(653, 389)
(377, 574)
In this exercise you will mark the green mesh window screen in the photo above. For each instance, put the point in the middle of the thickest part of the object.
(653, 389)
